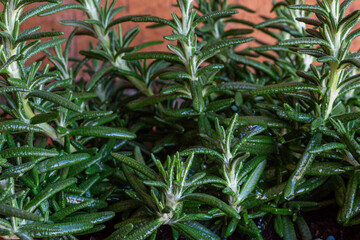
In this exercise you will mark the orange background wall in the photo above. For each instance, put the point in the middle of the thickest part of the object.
(161, 8)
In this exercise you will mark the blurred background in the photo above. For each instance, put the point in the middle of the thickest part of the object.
(161, 8)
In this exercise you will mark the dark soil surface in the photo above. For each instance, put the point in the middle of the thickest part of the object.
(322, 224)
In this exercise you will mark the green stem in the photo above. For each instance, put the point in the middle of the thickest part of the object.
(49, 131)
(13, 204)
(332, 90)
(121, 63)
(190, 63)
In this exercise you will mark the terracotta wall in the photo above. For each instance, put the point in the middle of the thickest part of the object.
(161, 8)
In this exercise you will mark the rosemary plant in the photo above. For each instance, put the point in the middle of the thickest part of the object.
(239, 179)
(165, 199)
(204, 141)
(43, 105)
(334, 36)
(320, 114)
(290, 23)
(189, 52)
(100, 24)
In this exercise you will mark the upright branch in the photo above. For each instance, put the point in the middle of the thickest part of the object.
(334, 36)
(188, 51)
(16, 50)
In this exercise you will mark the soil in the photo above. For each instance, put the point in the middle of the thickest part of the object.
(323, 224)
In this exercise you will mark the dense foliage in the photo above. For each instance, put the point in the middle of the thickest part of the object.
(210, 138)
